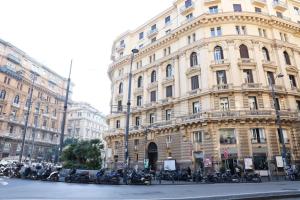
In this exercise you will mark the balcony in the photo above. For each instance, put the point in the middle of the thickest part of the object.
(187, 8)
(277, 88)
(187, 20)
(219, 63)
(246, 62)
(222, 87)
(168, 80)
(260, 3)
(193, 70)
(14, 59)
(210, 2)
(251, 86)
(194, 92)
(16, 105)
(258, 140)
(120, 47)
(11, 72)
(225, 113)
(152, 85)
(269, 64)
(152, 33)
(280, 5)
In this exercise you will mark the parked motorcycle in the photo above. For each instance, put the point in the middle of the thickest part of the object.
(107, 177)
(74, 177)
(135, 177)
(252, 177)
(290, 174)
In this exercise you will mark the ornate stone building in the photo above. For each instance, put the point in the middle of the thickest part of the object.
(202, 84)
(16, 76)
(84, 122)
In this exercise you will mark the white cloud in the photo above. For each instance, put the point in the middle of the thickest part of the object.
(54, 31)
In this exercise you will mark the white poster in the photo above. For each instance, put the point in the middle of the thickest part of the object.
(248, 163)
(279, 161)
(169, 165)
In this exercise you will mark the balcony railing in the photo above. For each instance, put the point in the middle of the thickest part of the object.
(152, 32)
(208, 2)
(258, 140)
(248, 86)
(279, 5)
(246, 61)
(187, 8)
(187, 20)
(120, 47)
(219, 62)
(259, 2)
(222, 87)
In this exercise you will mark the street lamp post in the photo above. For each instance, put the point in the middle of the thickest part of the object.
(278, 120)
(134, 51)
(34, 76)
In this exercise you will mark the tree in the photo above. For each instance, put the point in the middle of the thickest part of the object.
(83, 154)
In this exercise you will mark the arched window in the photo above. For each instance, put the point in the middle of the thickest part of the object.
(16, 100)
(218, 53)
(287, 58)
(2, 94)
(140, 82)
(194, 59)
(169, 72)
(153, 76)
(120, 88)
(244, 51)
(266, 54)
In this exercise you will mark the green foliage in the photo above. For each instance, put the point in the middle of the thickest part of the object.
(83, 154)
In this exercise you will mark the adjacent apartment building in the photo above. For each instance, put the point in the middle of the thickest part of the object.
(202, 79)
(85, 122)
(17, 70)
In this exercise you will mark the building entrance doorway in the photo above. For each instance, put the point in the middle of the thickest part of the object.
(152, 155)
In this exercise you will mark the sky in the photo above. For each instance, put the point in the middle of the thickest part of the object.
(55, 31)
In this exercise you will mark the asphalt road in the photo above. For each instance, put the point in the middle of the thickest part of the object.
(26, 189)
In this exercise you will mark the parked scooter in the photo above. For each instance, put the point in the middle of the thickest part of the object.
(106, 177)
(142, 178)
(252, 177)
(74, 177)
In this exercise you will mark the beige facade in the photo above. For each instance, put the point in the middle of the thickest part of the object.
(85, 122)
(16, 69)
(202, 83)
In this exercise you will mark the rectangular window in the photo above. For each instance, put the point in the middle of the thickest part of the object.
(293, 81)
(237, 8)
(214, 32)
(168, 139)
(260, 32)
(153, 96)
(189, 39)
(277, 104)
(257, 10)
(224, 103)
(297, 10)
(238, 30)
(141, 35)
(153, 27)
(136, 142)
(189, 16)
(198, 136)
(138, 121)
(188, 3)
(279, 14)
(213, 9)
(152, 118)
(283, 137)
(118, 124)
(194, 37)
(196, 107)
(139, 100)
(168, 20)
(253, 103)
(227, 136)
(221, 77)
(298, 104)
(168, 31)
(258, 136)
(271, 79)
(248, 77)
(153, 39)
(120, 106)
(169, 91)
(168, 114)
(195, 82)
